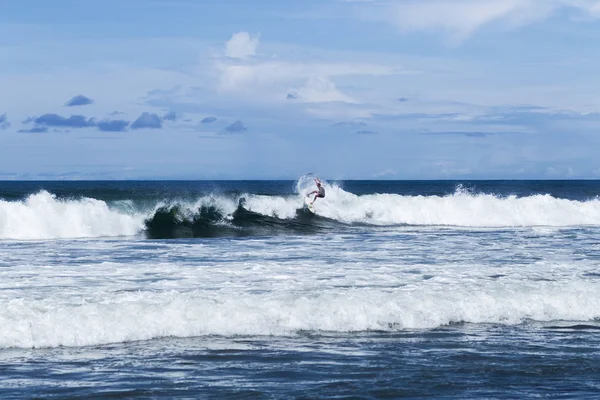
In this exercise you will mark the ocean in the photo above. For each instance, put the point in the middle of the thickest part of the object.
(232, 289)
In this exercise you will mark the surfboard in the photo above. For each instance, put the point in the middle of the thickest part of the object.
(308, 205)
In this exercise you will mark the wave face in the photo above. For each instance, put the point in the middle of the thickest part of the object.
(45, 216)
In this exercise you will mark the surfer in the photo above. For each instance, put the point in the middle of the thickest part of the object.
(319, 193)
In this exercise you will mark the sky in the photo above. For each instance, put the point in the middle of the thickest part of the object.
(266, 89)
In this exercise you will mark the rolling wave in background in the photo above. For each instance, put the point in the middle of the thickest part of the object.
(45, 216)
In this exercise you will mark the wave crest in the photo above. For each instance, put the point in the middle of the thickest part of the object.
(44, 216)
(124, 317)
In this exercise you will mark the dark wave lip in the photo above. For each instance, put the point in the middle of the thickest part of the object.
(210, 222)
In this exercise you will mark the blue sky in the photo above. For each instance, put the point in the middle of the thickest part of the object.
(349, 89)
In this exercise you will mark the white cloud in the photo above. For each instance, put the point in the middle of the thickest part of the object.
(241, 45)
(236, 75)
(461, 18)
(311, 82)
(320, 90)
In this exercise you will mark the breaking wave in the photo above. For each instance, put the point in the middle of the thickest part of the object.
(143, 315)
(45, 216)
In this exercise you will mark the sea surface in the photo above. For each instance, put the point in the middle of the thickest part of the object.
(233, 289)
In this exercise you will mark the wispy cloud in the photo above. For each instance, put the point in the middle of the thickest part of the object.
(474, 134)
(281, 78)
(349, 124)
(461, 18)
(35, 129)
(236, 75)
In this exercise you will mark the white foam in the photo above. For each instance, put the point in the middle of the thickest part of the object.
(274, 206)
(145, 315)
(43, 216)
(458, 209)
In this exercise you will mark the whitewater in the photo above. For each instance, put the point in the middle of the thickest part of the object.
(201, 284)
(44, 216)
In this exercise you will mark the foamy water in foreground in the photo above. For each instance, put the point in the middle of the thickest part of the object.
(90, 292)
(482, 290)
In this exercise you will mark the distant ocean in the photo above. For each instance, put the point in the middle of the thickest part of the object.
(232, 289)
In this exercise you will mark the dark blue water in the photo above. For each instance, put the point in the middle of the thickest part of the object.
(120, 190)
(452, 362)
